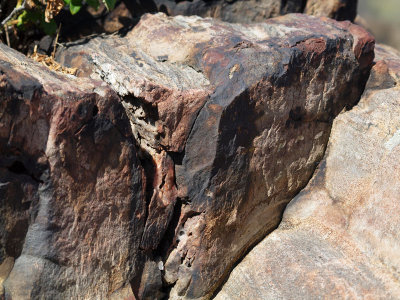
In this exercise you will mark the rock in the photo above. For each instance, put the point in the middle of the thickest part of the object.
(231, 121)
(5, 269)
(251, 11)
(339, 237)
(335, 9)
(230, 11)
(71, 199)
(124, 293)
(118, 18)
(127, 12)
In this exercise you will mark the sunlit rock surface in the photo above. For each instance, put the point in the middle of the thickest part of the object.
(230, 121)
(339, 237)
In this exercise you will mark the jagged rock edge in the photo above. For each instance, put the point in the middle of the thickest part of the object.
(125, 97)
(146, 152)
(258, 238)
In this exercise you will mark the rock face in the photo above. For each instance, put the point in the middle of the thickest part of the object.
(231, 121)
(128, 12)
(71, 197)
(251, 11)
(339, 237)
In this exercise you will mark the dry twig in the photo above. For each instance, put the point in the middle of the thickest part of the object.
(7, 36)
(49, 62)
(16, 10)
(55, 42)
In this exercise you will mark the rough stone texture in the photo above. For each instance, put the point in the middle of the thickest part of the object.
(232, 121)
(339, 237)
(230, 11)
(251, 11)
(71, 201)
(128, 12)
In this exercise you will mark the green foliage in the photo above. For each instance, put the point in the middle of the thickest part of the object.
(75, 5)
(36, 15)
(94, 3)
(109, 4)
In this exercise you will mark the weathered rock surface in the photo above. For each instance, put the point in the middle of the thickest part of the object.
(231, 121)
(251, 11)
(339, 237)
(71, 199)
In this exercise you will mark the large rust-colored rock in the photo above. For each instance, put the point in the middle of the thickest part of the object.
(232, 120)
(339, 237)
(71, 199)
(251, 11)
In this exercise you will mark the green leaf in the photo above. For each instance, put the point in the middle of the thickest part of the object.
(109, 4)
(74, 9)
(29, 16)
(75, 6)
(22, 18)
(93, 3)
(48, 28)
(67, 2)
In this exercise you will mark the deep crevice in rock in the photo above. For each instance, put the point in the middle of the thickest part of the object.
(177, 157)
(18, 167)
(149, 167)
(156, 162)
(167, 242)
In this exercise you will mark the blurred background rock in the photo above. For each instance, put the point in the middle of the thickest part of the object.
(382, 18)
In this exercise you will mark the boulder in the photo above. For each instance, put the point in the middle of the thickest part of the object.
(251, 11)
(230, 121)
(339, 237)
(71, 197)
(127, 12)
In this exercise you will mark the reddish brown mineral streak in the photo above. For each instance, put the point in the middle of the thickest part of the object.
(314, 46)
(364, 42)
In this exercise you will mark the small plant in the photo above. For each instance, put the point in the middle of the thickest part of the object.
(75, 5)
(41, 13)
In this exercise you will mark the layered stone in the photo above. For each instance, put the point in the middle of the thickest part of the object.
(231, 121)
